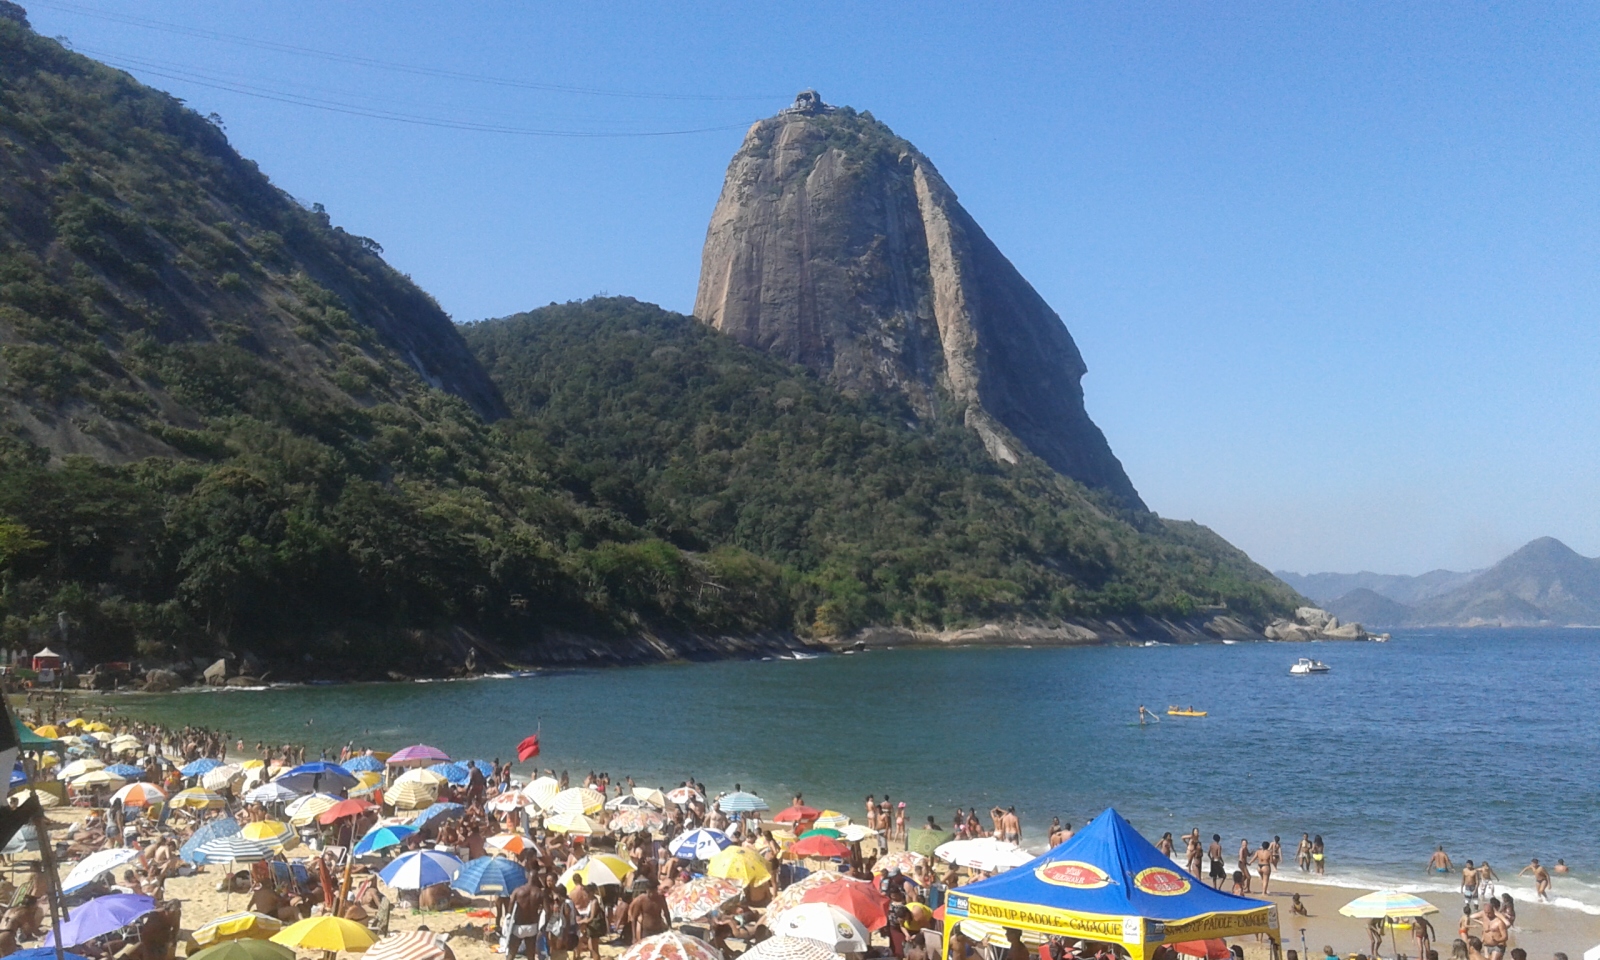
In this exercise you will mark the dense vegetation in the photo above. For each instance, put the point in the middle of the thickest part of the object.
(873, 520)
(216, 435)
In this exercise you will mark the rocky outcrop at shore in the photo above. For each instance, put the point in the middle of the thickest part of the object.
(1314, 623)
(1073, 633)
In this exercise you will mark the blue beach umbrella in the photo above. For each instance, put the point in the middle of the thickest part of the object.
(45, 953)
(101, 916)
(485, 766)
(363, 764)
(318, 776)
(126, 771)
(437, 813)
(489, 875)
(456, 773)
(211, 830)
(201, 767)
(741, 802)
(382, 838)
(418, 869)
(18, 775)
(699, 844)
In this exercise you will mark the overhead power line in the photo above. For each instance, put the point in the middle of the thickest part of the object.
(394, 66)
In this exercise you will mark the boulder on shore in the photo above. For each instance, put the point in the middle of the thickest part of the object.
(161, 681)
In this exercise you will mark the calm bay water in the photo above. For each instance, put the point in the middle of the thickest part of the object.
(1480, 740)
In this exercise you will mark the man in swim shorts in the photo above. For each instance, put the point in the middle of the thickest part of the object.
(1495, 930)
(1469, 884)
(1214, 852)
(1541, 879)
(1440, 861)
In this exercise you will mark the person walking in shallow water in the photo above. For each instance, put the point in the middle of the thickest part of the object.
(1214, 852)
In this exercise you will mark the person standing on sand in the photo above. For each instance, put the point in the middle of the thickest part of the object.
(1541, 879)
(1277, 851)
(1440, 861)
(1244, 863)
(1422, 932)
(1469, 886)
(1495, 930)
(1192, 852)
(1263, 859)
(1302, 853)
(1214, 852)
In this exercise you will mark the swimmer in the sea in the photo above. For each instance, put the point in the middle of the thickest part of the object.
(1440, 861)
(1541, 879)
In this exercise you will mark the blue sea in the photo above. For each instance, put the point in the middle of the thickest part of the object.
(1480, 740)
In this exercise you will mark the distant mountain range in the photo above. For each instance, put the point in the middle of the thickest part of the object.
(1545, 583)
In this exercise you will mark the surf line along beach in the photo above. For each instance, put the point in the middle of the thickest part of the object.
(1540, 930)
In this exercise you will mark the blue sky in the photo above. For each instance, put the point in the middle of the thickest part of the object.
(1332, 266)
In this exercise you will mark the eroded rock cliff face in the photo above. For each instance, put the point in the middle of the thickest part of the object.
(837, 245)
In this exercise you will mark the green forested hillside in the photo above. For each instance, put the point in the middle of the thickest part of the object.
(706, 443)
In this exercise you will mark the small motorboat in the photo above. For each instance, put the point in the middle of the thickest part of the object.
(1306, 665)
(1179, 712)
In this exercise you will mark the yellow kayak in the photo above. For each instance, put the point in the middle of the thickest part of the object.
(1175, 712)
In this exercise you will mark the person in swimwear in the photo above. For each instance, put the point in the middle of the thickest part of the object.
(1469, 885)
(1143, 714)
(1263, 861)
(1218, 874)
(1541, 879)
(1440, 861)
(1302, 854)
(1560, 867)
(1319, 854)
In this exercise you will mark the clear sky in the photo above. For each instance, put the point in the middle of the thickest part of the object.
(1332, 266)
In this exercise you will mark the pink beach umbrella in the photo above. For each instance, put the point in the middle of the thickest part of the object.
(418, 754)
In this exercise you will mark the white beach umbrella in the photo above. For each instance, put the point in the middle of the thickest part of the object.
(578, 800)
(983, 853)
(791, 948)
(421, 775)
(543, 790)
(92, 866)
(222, 778)
(273, 792)
(825, 923)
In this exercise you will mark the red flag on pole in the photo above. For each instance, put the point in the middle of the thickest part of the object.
(528, 749)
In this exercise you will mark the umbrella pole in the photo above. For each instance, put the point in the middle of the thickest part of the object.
(47, 863)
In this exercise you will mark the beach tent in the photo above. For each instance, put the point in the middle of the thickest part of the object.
(28, 740)
(1109, 884)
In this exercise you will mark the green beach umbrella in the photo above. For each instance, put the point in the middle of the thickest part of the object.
(923, 841)
(245, 950)
(828, 832)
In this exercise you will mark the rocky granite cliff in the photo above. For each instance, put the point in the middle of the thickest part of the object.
(837, 245)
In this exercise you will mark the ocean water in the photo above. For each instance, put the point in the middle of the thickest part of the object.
(1484, 741)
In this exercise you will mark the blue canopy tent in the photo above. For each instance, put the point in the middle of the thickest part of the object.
(1110, 885)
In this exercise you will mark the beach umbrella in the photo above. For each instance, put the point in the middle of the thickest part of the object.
(45, 953)
(651, 796)
(273, 833)
(125, 744)
(819, 846)
(197, 798)
(828, 832)
(625, 801)
(508, 844)
(574, 823)
(205, 833)
(791, 948)
(382, 838)
(1389, 904)
(740, 864)
(685, 794)
(275, 792)
(423, 776)
(97, 726)
(455, 773)
(49, 731)
(797, 814)
(795, 893)
(309, 807)
(487, 875)
(139, 794)
(741, 802)
(100, 916)
(637, 820)
(367, 782)
(832, 820)
(543, 790)
(91, 867)
(983, 853)
(200, 767)
(46, 799)
(342, 809)
(418, 754)
(702, 897)
(78, 768)
(858, 898)
(411, 795)
(236, 926)
(25, 839)
(839, 930)
(232, 849)
(1213, 949)
(926, 841)
(509, 801)
(245, 950)
(906, 860)
(126, 771)
(855, 833)
(325, 933)
(415, 945)
(438, 813)
(699, 844)
(77, 723)
(578, 800)
(223, 777)
(96, 778)
(252, 764)
(672, 946)
(317, 776)
(363, 764)
(600, 869)
(418, 869)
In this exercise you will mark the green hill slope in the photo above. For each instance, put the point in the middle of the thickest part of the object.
(874, 520)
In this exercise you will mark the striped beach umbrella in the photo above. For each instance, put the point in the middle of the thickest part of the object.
(420, 868)
(418, 754)
(578, 800)
(198, 798)
(274, 792)
(416, 945)
(308, 808)
(368, 782)
(272, 833)
(495, 875)
(574, 823)
(651, 796)
(702, 897)
(1388, 903)
(200, 767)
(233, 849)
(600, 869)
(236, 926)
(96, 778)
(422, 775)
(139, 794)
(672, 946)
(791, 948)
(543, 790)
(741, 802)
(699, 844)
(832, 820)
(223, 777)
(47, 799)
(411, 795)
(78, 768)
(508, 844)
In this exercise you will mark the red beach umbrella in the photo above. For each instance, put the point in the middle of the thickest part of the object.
(799, 814)
(855, 897)
(1213, 949)
(342, 809)
(818, 845)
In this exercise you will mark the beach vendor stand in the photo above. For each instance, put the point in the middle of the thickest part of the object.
(1110, 885)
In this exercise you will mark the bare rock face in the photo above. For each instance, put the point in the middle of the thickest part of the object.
(837, 245)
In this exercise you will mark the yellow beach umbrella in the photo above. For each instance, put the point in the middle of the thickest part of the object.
(366, 782)
(77, 723)
(411, 795)
(421, 775)
(740, 864)
(600, 869)
(325, 933)
(274, 833)
(48, 760)
(253, 765)
(578, 800)
(651, 796)
(832, 820)
(49, 730)
(303, 810)
(1388, 903)
(198, 798)
(543, 790)
(237, 926)
(97, 726)
(575, 823)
